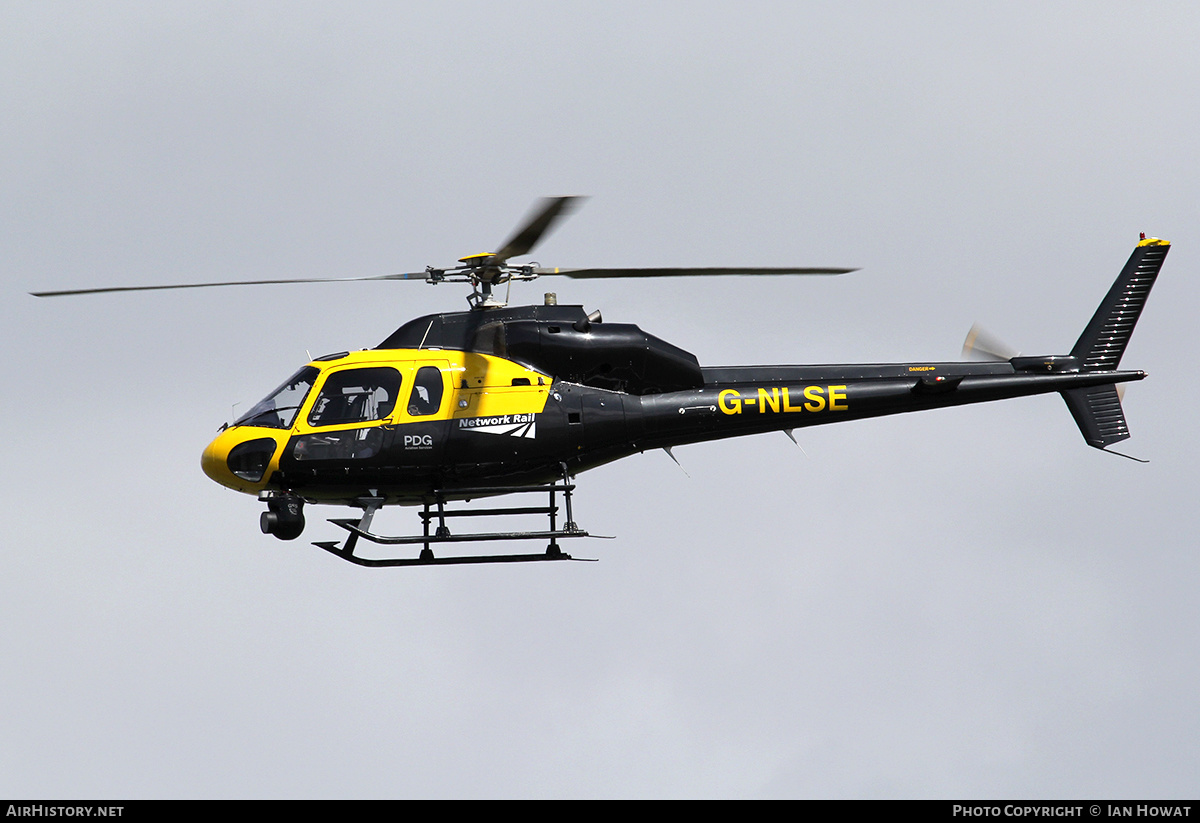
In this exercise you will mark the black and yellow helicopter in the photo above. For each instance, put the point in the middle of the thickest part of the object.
(503, 400)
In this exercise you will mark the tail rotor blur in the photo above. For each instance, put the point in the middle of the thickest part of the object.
(981, 344)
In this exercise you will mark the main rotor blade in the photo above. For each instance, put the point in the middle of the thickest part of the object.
(687, 272)
(405, 276)
(548, 212)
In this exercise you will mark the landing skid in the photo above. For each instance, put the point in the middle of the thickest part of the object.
(361, 529)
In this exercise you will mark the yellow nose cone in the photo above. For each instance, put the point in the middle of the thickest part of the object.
(253, 466)
(215, 457)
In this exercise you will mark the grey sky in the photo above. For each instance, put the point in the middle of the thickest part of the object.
(960, 603)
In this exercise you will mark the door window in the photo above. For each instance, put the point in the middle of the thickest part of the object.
(356, 396)
(426, 397)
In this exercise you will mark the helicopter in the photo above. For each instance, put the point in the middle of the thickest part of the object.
(506, 400)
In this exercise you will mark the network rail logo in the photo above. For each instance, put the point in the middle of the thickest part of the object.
(513, 425)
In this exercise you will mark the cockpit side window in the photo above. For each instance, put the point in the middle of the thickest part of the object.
(356, 396)
(278, 410)
(426, 397)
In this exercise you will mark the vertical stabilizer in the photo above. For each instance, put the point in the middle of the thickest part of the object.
(1097, 410)
(1098, 413)
(1103, 342)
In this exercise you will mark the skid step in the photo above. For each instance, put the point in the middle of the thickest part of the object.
(409, 540)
